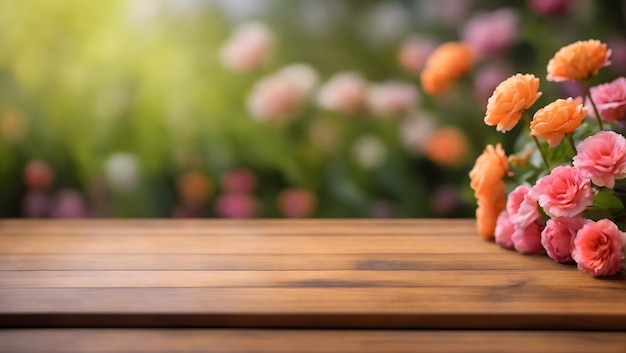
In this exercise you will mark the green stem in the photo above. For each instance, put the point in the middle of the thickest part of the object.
(593, 104)
(570, 139)
(543, 155)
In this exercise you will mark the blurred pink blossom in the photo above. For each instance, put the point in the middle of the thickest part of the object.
(602, 157)
(296, 203)
(488, 78)
(550, 7)
(282, 94)
(249, 46)
(344, 93)
(236, 205)
(68, 203)
(617, 43)
(598, 248)
(36, 204)
(239, 180)
(445, 201)
(610, 99)
(393, 98)
(491, 34)
(414, 52)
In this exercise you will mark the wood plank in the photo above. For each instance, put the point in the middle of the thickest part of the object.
(499, 259)
(321, 341)
(242, 244)
(90, 227)
(511, 307)
(300, 279)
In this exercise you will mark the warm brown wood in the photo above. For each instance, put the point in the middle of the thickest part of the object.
(273, 273)
(289, 341)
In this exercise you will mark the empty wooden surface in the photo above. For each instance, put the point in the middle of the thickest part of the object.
(427, 274)
(283, 286)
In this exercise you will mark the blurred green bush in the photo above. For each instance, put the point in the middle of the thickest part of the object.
(126, 109)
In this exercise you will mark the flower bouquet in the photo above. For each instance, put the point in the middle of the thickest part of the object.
(563, 192)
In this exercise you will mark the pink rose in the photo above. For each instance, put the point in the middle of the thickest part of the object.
(521, 207)
(504, 231)
(492, 33)
(610, 99)
(558, 237)
(564, 193)
(602, 157)
(598, 248)
(527, 240)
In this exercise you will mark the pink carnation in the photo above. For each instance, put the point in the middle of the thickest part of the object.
(344, 93)
(558, 237)
(237, 205)
(598, 248)
(413, 53)
(392, 98)
(602, 157)
(610, 99)
(527, 240)
(565, 192)
(504, 231)
(521, 207)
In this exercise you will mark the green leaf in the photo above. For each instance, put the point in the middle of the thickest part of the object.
(607, 200)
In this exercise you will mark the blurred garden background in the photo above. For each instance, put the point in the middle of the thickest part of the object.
(264, 108)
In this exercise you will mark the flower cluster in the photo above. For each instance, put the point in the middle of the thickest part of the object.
(569, 181)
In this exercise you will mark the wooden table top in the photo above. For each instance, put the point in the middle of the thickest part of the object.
(73, 282)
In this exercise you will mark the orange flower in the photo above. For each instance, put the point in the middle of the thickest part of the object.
(556, 119)
(486, 175)
(578, 61)
(510, 99)
(447, 146)
(448, 63)
(487, 214)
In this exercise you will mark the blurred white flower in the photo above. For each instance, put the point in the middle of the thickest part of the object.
(187, 7)
(122, 172)
(448, 12)
(280, 95)
(393, 98)
(386, 24)
(344, 93)
(248, 47)
(369, 151)
(141, 12)
(414, 131)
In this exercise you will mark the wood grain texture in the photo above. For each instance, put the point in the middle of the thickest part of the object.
(322, 341)
(426, 274)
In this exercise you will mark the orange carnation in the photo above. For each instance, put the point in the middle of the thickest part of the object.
(556, 119)
(447, 146)
(578, 61)
(448, 63)
(487, 174)
(510, 99)
(487, 214)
